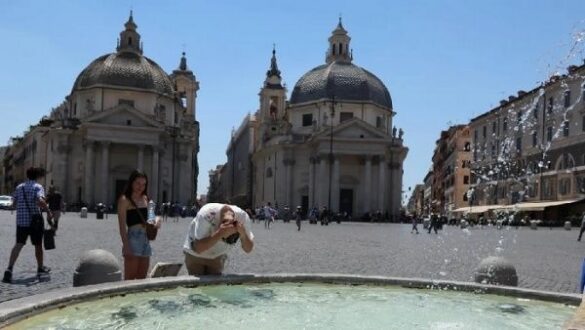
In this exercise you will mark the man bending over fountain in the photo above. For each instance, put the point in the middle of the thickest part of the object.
(213, 232)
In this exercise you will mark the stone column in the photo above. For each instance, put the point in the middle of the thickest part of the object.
(154, 178)
(105, 169)
(367, 183)
(335, 186)
(311, 182)
(289, 167)
(89, 175)
(322, 183)
(140, 164)
(381, 184)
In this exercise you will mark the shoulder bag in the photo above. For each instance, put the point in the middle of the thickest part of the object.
(151, 230)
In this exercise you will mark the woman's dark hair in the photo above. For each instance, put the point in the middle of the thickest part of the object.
(133, 176)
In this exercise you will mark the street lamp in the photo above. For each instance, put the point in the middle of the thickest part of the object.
(331, 152)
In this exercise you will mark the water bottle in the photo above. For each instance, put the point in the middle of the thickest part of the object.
(151, 215)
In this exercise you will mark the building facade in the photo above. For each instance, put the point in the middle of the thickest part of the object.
(531, 148)
(237, 181)
(332, 144)
(428, 193)
(124, 112)
(457, 170)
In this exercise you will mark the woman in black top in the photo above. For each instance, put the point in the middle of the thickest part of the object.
(132, 215)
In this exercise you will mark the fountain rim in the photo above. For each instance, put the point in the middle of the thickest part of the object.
(16, 310)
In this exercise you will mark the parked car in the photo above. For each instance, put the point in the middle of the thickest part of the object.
(6, 202)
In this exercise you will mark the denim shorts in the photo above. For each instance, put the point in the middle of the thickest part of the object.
(138, 241)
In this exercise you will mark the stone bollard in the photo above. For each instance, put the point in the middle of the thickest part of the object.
(97, 266)
(83, 212)
(463, 224)
(568, 225)
(496, 270)
(533, 224)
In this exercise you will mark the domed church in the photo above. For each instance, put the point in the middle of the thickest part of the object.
(125, 112)
(333, 144)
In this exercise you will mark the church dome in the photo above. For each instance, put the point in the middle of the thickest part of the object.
(125, 69)
(343, 80)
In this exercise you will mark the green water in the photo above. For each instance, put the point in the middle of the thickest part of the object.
(304, 306)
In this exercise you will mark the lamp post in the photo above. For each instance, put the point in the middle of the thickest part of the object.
(173, 132)
(331, 152)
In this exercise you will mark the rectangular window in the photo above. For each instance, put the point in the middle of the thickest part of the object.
(549, 133)
(307, 119)
(494, 127)
(519, 144)
(536, 109)
(519, 116)
(505, 125)
(475, 131)
(567, 97)
(566, 128)
(549, 108)
(583, 124)
(484, 132)
(378, 122)
(127, 102)
(343, 116)
(534, 139)
(466, 179)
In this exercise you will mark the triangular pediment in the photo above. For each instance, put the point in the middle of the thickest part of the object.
(122, 115)
(353, 128)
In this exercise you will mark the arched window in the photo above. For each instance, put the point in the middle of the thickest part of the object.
(130, 41)
(340, 49)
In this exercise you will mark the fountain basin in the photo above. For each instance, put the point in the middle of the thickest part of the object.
(291, 302)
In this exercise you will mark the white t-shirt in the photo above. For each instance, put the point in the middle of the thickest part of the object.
(206, 223)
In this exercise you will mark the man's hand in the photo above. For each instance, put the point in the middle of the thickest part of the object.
(240, 227)
(226, 229)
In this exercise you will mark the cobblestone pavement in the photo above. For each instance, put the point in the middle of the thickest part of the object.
(545, 259)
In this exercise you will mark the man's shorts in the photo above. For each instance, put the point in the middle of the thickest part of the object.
(22, 233)
(139, 243)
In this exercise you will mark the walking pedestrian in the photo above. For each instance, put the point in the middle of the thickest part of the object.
(298, 217)
(269, 214)
(132, 215)
(28, 198)
(582, 227)
(414, 225)
(434, 223)
(56, 205)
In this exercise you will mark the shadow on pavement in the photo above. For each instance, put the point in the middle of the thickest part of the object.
(30, 280)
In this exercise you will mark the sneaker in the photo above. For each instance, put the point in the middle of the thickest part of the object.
(43, 270)
(7, 276)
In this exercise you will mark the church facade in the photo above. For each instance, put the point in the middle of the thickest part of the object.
(124, 112)
(332, 144)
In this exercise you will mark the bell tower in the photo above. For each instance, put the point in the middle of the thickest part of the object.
(186, 86)
(273, 112)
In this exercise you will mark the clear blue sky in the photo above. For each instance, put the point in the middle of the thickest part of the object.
(444, 62)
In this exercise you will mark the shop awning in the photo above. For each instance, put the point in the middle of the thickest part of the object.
(539, 206)
(477, 209)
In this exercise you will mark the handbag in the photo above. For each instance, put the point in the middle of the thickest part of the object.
(151, 230)
(37, 222)
(49, 239)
